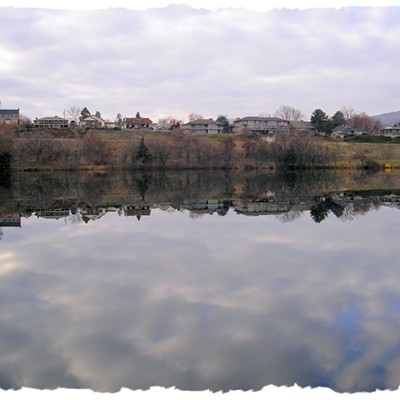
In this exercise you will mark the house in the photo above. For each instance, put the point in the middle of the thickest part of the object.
(160, 126)
(9, 117)
(261, 125)
(92, 121)
(302, 127)
(343, 131)
(136, 123)
(391, 130)
(203, 126)
(50, 122)
(110, 125)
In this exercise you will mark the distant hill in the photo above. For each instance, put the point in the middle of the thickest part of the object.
(390, 118)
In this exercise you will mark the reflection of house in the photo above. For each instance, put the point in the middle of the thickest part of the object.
(91, 214)
(52, 213)
(302, 127)
(10, 219)
(50, 122)
(136, 123)
(92, 121)
(204, 126)
(136, 211)
(207, 206)
(260, 207)
(9, 117)
(261, 125)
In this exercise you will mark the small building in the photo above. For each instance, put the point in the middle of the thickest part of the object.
(302, 127)
(92, 121)
(50, 123)
(110, 125)
(261, 125)
(204, 126)
(9, 117)
(344, 131)
(136, 123)
(390, 130)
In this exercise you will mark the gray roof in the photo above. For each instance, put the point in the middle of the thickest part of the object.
(203, 121)
(346, 129)
(302, 124)
(51, 119)
(261, 119)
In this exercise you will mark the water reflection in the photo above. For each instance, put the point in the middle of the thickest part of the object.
(83, 198)
(121, 287)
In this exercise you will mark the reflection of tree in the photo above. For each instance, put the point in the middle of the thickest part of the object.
(142, 183)
(195, 215)
(75, 218)
(359, 207)
(320, 210)
(289, 216)
(1, 233)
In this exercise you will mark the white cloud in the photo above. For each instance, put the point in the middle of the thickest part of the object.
(179, 60)
(207, 4)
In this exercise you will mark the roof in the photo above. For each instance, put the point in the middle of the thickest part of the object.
(9, 111)
(141, 121)
(51, 119)
(91, 118)
(203, 121)
(261, 119)
(302, 124)
(346, 129)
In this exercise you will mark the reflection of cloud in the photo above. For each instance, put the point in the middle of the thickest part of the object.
(210, 303)
(7, 263)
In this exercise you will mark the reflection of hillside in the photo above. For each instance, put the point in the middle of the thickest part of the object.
(83, 198)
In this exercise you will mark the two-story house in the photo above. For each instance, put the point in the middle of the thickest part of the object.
(261, 125)
(50, 123)
(203, 126)
(9, 116)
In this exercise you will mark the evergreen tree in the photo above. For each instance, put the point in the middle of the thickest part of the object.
(322, 121)
(85, 112)
(143, 153)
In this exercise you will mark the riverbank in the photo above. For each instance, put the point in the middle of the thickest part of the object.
(103, 150)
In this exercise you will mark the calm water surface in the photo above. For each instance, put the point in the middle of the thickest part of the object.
(222, 292)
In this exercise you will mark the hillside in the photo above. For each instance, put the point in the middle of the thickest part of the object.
(389, 118)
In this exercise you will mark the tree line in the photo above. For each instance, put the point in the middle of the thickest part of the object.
(175, 149)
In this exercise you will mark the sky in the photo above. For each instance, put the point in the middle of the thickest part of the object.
(232, 58)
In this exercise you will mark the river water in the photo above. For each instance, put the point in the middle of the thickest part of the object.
(200, 281)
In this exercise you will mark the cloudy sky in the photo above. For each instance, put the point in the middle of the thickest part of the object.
(235, 58)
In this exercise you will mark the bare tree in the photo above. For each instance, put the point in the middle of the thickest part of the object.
(170, 122)
(73, 113)
(289, 113)
(348, 114)
(193, 116)
(94, 148)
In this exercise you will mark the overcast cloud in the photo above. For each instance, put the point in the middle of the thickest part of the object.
(175, 60)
